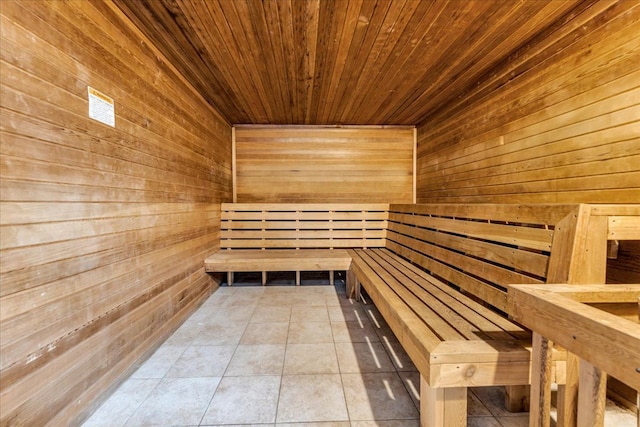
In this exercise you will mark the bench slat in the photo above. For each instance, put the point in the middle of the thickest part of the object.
(406, 292)
(311, 243)
(302, 234)
(304, 216)
(293, 207)
(524, 260)
(278, 260)
(478, 267)
(492, 325)
(528, 214)
(535, 238)
(482, 290)
(304, 225)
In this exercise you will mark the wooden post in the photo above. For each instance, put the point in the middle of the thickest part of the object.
(442, 407)
(568, 394)
(517, 398)
(592, 396)
(540, 382)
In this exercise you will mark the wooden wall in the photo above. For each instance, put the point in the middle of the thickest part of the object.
(104, 230)
(312, 164)
(559, 121)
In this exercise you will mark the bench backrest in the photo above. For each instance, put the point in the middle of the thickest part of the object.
(478, 248)
(302, 226)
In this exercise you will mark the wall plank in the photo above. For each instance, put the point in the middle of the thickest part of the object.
(288, 164)
(559, 122)
(103, 230)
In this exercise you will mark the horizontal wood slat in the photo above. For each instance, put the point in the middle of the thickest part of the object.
(344, 164)
(557, 121)
(292, 225)
(463, 246)
(102, 229)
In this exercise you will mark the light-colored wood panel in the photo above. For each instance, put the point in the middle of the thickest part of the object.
(104, 229)
(564, 131)
(328, 164)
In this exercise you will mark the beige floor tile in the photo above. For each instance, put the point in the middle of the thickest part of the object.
(318, 424)
(475, 408)
(483, 422)
(263, 359)
(266, 333)
(185, 334)
(226, 334)
(309, 300)
(202, 361)
(233, 313)
(309, 314)
(347, 314)
(279, 290)
(375, 317)
(398, 356)
(353, 332)
(310, 333)
(377, 396)
(176, 401)
(411, 381)
(619, 417)
(493, 399)
(387, 423)
(122, 403)
(269, 314)
(363, 357)
(244, 400)
(311, 398)
(310, 359)
(159, 362)
(519, 420)
(276, 300)
(333, 300)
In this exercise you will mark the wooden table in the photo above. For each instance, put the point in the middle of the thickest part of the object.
(597, 323)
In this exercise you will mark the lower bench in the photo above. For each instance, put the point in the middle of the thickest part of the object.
(250, 260)
(440, 283)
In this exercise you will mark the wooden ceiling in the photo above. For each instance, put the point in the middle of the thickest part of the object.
(340, 61)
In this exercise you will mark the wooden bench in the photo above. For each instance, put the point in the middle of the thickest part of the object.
(259, 237)
(440, 283)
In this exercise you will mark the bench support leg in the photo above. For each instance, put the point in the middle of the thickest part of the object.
(331, 280)
(229, 278)
(517, 398)
(264, 278)
(297, 278)
(442, 407)
(353, 285)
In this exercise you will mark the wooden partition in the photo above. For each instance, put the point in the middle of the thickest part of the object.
(557, 122)
(103, 229)
(329, 164)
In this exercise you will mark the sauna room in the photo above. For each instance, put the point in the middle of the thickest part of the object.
(323, 213)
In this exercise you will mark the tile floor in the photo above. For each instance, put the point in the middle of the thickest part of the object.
(284, 355)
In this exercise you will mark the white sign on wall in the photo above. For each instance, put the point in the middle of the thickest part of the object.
(101, 107)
